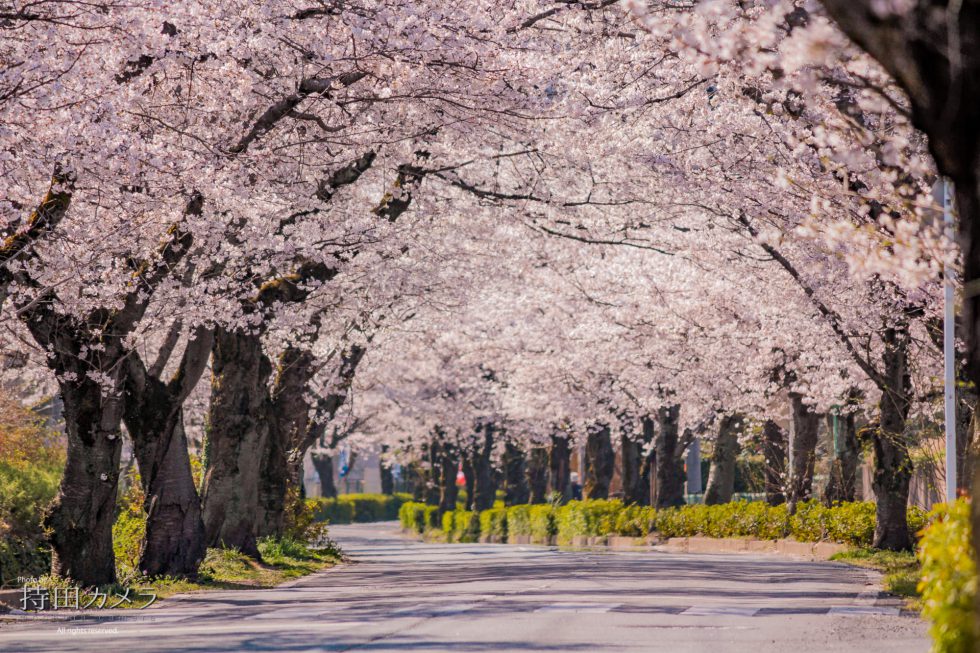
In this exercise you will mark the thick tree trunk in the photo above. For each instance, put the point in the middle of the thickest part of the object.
(323, 464)
(893, 464)
(637, 456)
(387, 477)
(433, 473)
(448, 467)
(84, 510)
(238, 421)
(470, 480)
(174, 543)
(560, 464)
(537, 474)
(721, 476)
(774, 453)
(289, 424)
(484, 486)
(803, 432)
(669, 458)
(841, 486)
(599, 462)
(516, 491)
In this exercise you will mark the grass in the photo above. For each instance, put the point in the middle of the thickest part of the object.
(901, 571)
(223, 569)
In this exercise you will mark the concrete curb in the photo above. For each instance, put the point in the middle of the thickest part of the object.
(809, 550)
(789, 548)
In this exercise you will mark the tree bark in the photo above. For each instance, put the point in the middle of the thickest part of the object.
(774, 453)
(387, 477)
(484, 487)
(516, 491)
(238, 421)
(638, 457)
(721, 476)
(448, 468)
(599, 462)
(841, 486)
(469, 475)
(669, 458)
(81, 517)
(289, 423)
(175, 544)
(433, 473)
(893, 464)
(560, 464)
(323, 464)
(804, 428)
(537, 474)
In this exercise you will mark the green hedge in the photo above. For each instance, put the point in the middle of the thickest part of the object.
(949, 578)
(847, 523)
(349, 508)
(544, 524)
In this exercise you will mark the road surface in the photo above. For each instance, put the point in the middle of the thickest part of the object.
(404, 596)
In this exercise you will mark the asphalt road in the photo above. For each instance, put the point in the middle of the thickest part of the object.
(404, 596)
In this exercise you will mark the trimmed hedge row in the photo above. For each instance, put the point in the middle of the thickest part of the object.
(949, 578)
(847, 523)
(350, 508)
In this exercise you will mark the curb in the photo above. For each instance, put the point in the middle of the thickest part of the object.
(809, 550)
(788, 548)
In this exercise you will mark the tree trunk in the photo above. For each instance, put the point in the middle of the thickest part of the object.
(669, 458)
(537, 474)
(289, 423)
(516, 491)
(323, 464)
(560, 464)
(893, 464)
(599, 462)
(238, 421)
(387, 477)
(81, 517)
(804, 429)
(774, 452)
(841, 486)
(484, 487)
(448, 467)
(433, 473)
(469, 475)
(721, 476)
(637, 455)
(154, 417)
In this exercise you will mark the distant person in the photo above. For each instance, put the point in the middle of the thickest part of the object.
(576, 487)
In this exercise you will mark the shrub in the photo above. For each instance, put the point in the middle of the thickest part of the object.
(590, 518)
(406, 515)
(129, 529)
(519, 520)
(635, 521)
(949, 578)
(335, 511)
(448, 524)
(31, 462)
(493, 523)
(466, 526)
(543, 524)
(348, 508)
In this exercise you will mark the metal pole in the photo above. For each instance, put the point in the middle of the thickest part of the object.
(949, 353)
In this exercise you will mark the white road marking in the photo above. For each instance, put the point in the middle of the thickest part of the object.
(856, 610)
(579, 607)
(719, 610)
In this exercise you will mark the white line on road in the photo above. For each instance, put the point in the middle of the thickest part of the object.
(856, 610)
(579, 607)
(719, 610)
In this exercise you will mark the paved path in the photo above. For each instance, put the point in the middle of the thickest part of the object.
(403, 596)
